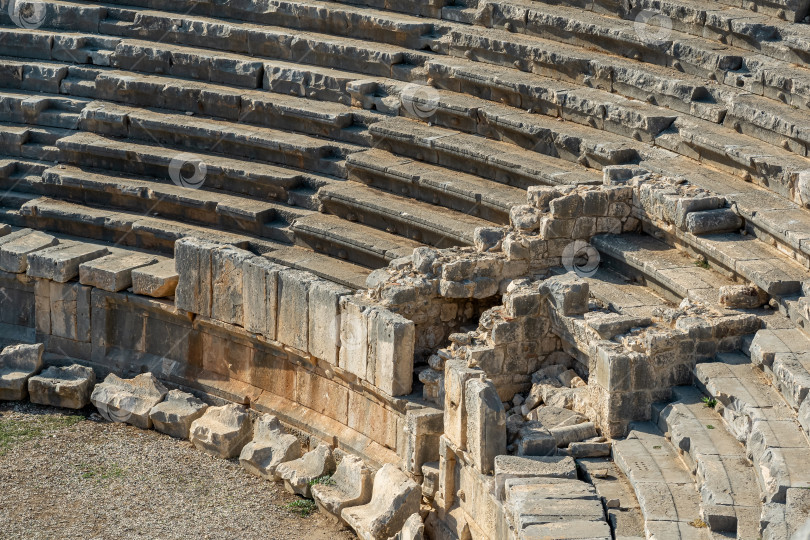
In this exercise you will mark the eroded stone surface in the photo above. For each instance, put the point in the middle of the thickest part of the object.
(69, 387)
(174, 415)
(299, 474)
(17, 364)
(128, 400)
(269, 448)
(349, 486)
(222, 431)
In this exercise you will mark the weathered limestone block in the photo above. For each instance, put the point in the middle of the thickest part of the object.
(395, 498)
(742, 296)
(423, 427)
(713, 221)
(550, 417)
(226, 284)
(535, 440)
(568, 293)
(128, 400)
(114, 272)
(192, 259)
(175, 415)
(507, 467)
(222, 431)
(588, 449)
(260, 295)
(486, 424)
(60, 263)
(565, 435)
(68, 387)
(156, 280)
(18, 363)
(15, 248)
(324, 320)
(354, 314)
(293, 308)
(456, 375)
(414, 529)
(391, 340)
(349, 486)
(269, 448)
(298, 474)
(65, 309)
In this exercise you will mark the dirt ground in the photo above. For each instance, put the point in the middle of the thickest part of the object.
(70, 475)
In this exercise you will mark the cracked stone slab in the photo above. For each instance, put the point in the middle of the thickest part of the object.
(68, 387)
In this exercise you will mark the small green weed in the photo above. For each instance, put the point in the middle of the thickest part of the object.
(13, 431)
(709, 426)
(100, 472)
(302, 507)
(709, 402)
(702, 264)
(323, 481)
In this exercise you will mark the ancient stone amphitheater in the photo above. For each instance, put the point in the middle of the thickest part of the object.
(535, 268)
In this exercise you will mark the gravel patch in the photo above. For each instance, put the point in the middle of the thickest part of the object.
(67, 475)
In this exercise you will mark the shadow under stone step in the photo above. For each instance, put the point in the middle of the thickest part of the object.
(665, 269)
(450, 189)
(725, 477)
(499, 161)
(351, 241)
(324, 266)
(664, 487)
(757, 416)
(433, 225)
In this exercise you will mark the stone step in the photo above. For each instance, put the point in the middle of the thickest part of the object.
(665, 489)
(350, 241)
(753, 260)
(784, 356)
(338, 271)
(43, 110)
(241, 215)
(622, 295)
(33, 142)
(432, 225)
(450, 189)
(616, 492)
(725, 478)
(666, 270)
(476, 155)
(757, 416)
(254, 178)
(728, 24)
(736, 153)
(118, 228)
(205, 134)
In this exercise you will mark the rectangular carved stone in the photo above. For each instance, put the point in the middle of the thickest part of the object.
(390, 352)
(260, 279)
(226, 284)
(192, 258)
(354, 336)
(456, 375)
(324, 320)
(293, 308)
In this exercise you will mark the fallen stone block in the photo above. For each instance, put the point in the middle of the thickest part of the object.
(566, 435)
(156, 280)
(222, 431)
(535, 440)
(269, 448)
(114, 272)
(60, 263)
(128, 400)
(589, 449)
(742, 296)
(18, 363)
(552, 417)
(349, 486)
(395, 498)
(175, 415)
(713, 221)
(299, 473)
(568, 293)
(414, 529)
(68, 387)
